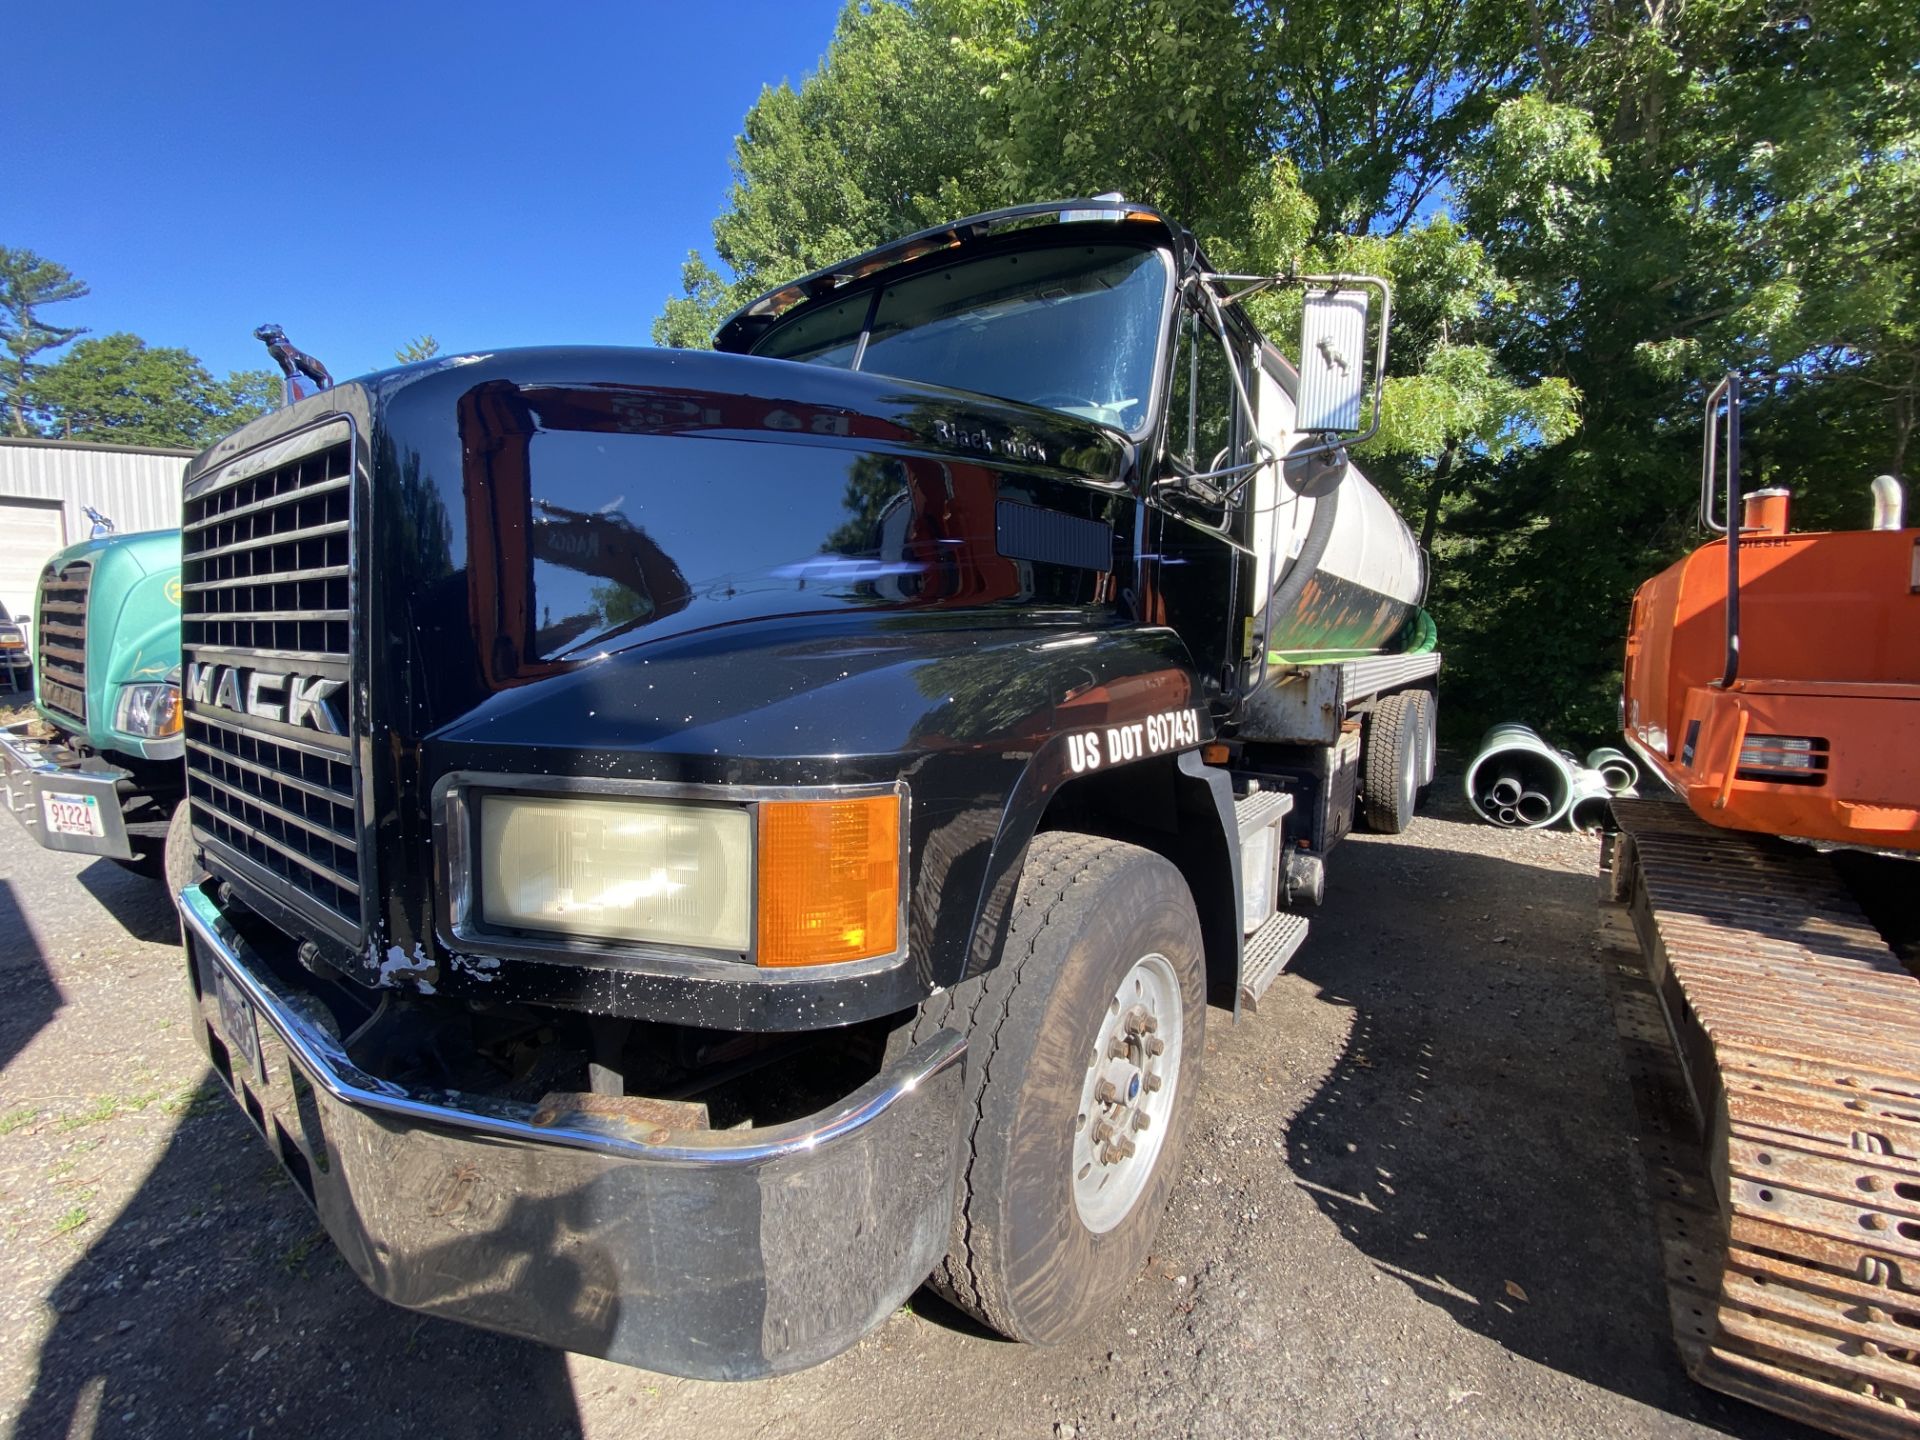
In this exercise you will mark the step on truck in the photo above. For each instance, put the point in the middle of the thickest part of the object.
(694, 845)
(98, 771)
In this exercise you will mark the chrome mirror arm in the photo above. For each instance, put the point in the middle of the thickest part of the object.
(1252, 285)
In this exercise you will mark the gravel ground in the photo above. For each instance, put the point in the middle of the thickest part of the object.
(1411, 1205)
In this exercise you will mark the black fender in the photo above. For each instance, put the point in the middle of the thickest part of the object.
(988, 718)
(1168, 801)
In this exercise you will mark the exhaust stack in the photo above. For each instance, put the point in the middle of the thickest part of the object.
(1889, 503)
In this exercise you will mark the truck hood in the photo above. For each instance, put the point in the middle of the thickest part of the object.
(125, 557)
(535, 513)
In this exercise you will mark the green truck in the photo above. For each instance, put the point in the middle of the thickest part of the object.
(99, 770)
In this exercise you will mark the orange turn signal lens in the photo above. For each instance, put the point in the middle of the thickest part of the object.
(829, 880)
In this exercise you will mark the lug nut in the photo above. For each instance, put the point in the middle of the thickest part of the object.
(1141, 1120)
(1153, 1082)
(1123, 1146)
(1155, 1045)
(1102, 1132)
(1105, 1093)
(1149, 1022)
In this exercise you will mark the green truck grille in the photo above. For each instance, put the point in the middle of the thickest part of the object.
(60, 644)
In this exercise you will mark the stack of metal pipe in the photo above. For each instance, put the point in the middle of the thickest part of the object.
(1520, 781)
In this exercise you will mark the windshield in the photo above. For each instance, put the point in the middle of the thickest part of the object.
(593, 511)
(1071, 327)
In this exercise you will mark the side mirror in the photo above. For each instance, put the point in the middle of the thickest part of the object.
(1315, 470)
(1337, 365)
(1333, 361)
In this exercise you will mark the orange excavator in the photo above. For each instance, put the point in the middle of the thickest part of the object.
(1773, 683)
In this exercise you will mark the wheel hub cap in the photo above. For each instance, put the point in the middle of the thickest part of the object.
(1127, 1097)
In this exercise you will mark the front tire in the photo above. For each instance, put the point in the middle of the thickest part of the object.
(183, 866)
(147, 824)
(1095, 1016)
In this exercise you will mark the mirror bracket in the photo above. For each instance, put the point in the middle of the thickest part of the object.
(1216, 286)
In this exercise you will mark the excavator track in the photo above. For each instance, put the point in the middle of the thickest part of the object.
(1794, 1280)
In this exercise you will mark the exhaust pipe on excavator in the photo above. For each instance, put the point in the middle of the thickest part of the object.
(1889, 503)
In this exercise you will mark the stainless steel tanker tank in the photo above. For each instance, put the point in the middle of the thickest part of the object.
(1342, 579)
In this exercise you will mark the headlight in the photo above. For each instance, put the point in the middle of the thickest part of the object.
(618, 869)
(813, 881)
(150, 710)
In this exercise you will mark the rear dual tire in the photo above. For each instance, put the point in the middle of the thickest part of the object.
(1398, 758)
(1428, 710)
(1390, 763)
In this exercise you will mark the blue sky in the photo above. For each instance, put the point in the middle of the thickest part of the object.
(360, 173)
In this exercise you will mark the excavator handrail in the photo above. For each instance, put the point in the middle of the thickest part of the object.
(1726, 393)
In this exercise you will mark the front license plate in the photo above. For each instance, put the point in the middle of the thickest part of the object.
(73, 814)
(237, 1022)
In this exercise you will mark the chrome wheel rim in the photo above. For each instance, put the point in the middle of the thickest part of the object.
(1127, 1096)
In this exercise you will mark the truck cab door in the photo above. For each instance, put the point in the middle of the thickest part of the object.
(1193, 576)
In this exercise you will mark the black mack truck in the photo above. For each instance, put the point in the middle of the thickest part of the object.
(692, 845)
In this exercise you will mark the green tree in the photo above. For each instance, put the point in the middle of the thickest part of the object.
(1686, 190)
(1589, 208)
(1374, 103)
(424, 347)
(883, 139)
(688, 320)
(1162, 100)
(118, 388)
(28, 283)
(1249, 123)
(243, 397)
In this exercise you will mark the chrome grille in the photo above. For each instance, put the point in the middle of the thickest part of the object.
(265, 595)
(60, 645)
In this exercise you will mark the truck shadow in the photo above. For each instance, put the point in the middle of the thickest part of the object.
(213, 1304)
(1475, 1140)
(140, 905)
(28, 996)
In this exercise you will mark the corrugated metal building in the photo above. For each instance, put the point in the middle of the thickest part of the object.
(45, 483)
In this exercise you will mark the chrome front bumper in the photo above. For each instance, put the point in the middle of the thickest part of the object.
(31, 769)
(722, 1255)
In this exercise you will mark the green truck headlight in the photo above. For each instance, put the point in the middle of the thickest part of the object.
(149, 710)
(650, 871)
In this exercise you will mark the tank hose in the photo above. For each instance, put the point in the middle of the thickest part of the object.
(1420, 635)
(1319, 532)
